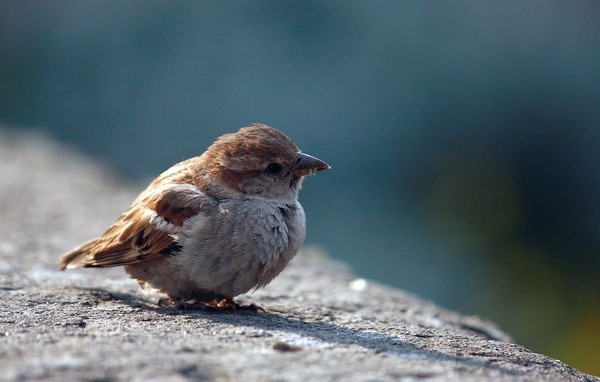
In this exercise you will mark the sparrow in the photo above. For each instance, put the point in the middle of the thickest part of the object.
(213, 226)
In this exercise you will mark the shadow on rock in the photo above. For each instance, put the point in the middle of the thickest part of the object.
(304, 323)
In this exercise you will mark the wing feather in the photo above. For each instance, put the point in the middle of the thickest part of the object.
(146, 231)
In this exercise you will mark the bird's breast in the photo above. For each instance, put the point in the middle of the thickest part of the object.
(241, 245)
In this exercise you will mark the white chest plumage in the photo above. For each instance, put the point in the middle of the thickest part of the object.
(241, 245)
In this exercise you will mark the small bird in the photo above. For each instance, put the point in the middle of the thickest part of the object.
(214, 226)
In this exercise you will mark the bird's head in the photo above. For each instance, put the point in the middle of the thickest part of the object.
(258, 161)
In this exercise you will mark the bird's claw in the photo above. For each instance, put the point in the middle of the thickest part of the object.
(224, 304)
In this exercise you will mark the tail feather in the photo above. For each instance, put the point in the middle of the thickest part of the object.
(76, 257)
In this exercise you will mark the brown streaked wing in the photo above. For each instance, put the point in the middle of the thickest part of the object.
(148, 229)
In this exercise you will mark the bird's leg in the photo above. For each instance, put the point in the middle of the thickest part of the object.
(172, 302)
(217, 304)
(229, 304)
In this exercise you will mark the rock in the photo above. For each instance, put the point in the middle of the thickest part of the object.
(321, 322)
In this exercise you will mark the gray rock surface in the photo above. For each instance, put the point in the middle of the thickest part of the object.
(320, 323)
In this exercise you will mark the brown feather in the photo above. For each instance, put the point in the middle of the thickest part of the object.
(146, 231)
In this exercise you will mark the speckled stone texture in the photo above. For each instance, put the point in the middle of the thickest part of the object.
(321, 322)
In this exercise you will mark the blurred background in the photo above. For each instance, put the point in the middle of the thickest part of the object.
(464, 136)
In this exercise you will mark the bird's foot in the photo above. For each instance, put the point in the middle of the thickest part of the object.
(218, 304)
(229, 304)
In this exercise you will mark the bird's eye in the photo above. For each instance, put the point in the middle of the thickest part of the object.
(273, 168)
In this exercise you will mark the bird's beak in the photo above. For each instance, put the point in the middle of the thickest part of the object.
(309, 165)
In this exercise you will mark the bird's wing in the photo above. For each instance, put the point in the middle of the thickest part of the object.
(147, 230)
